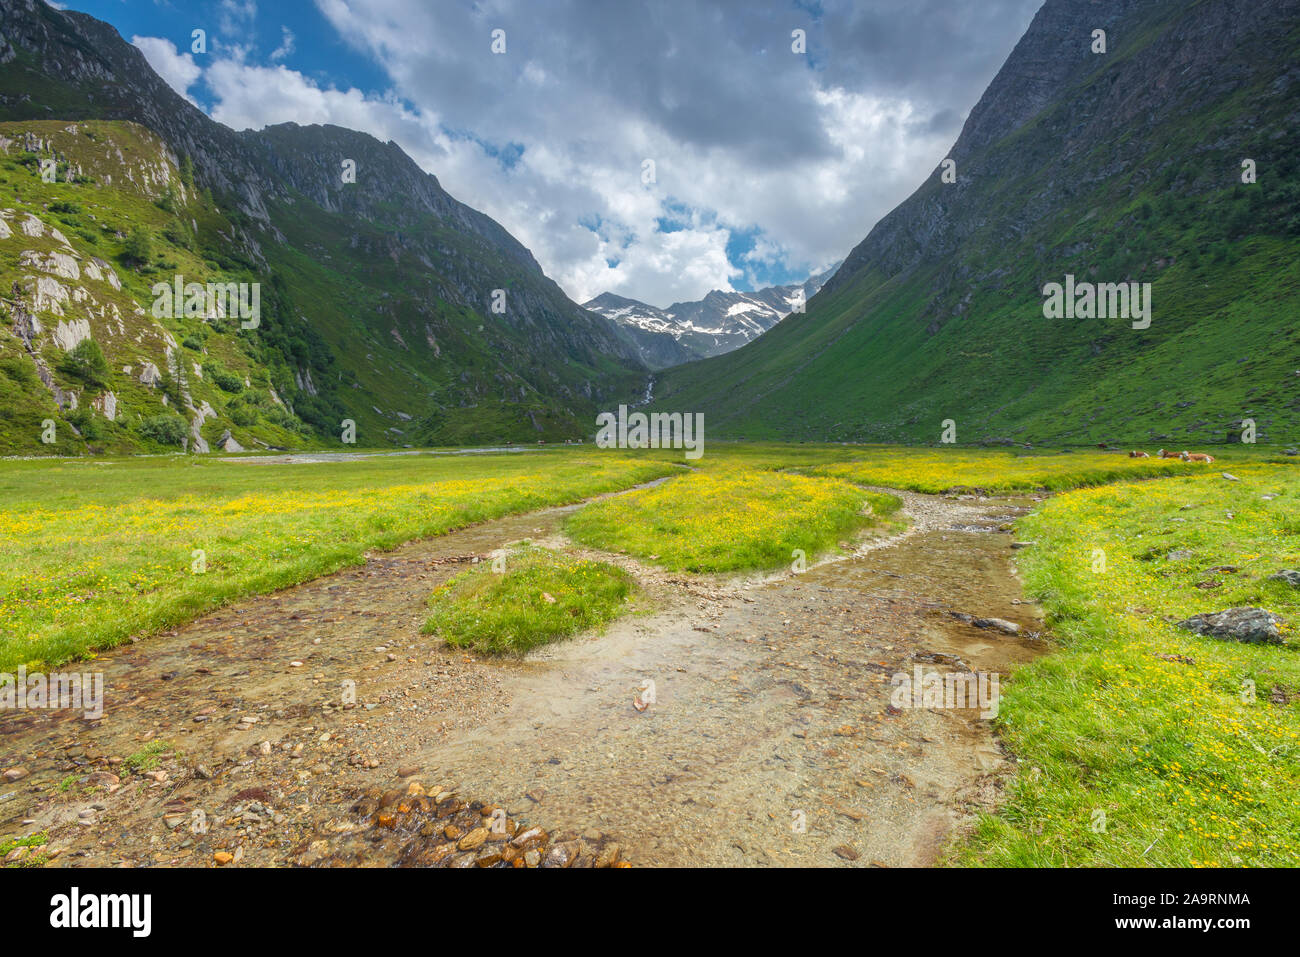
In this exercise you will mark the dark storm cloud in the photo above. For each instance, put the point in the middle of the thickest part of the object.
(710, 73)
(936, 51)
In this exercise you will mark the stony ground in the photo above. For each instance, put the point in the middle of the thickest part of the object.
(731, 721)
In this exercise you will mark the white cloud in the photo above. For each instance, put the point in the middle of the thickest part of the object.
(811, 213)
(251, 97)
(747, 141)
(766, 145)
(236, 16)
(177, 69)
(286, 44)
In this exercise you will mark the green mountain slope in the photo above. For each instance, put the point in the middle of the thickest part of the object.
(380, 289)
(84, 362)
(1115, 167)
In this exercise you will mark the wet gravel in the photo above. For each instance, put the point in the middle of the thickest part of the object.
(317, 726)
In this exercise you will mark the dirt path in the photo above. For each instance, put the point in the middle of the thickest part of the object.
(772, 739)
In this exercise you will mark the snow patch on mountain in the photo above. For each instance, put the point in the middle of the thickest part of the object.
(718, 323)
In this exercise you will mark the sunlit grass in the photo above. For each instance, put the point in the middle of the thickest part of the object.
(1129, 717)
(730, 519)
(1187, 767)
(538, 597)
(93, 554)
(995, 470)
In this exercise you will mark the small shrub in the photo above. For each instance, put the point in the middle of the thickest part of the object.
(85, 422)
(138, 250)
(243, 416)
(19, 371)
(86, 363)
(224, 379)
(165, 429)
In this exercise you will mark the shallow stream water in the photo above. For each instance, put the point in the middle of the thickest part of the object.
(771, 738)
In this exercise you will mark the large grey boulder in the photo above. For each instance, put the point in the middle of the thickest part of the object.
(1250, 625)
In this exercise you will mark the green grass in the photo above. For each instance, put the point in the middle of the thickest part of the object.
(37, 859)
(996, 471)
(730, 518)
(148, 757)
(1185, 767)
(98, 551)
(538, 597)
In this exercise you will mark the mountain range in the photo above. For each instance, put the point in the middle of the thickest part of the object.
(718, 323)
(1162, 160)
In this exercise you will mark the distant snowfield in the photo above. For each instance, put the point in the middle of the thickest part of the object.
(718, 323)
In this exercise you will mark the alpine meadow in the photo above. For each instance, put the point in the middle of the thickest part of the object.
(851, 435)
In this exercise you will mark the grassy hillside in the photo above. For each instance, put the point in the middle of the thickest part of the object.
(417, 365)
(354, 324)
(392, 303)
(78, 258)
(1132, 172)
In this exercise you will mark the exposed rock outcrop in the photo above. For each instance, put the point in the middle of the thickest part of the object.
(1249, 625)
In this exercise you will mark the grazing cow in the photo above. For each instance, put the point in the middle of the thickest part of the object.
(1138, 455)
(1168, 455)
(1197, 457)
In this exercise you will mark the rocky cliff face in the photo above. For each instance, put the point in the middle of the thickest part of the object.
(68, 285)
(68, 65)
(1059, 117)
(388, 187)
(652, 332)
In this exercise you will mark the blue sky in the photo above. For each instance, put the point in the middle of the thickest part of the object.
(317, 49)
(770, 162)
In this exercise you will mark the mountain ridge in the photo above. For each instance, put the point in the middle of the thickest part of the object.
(1116, 167)
(440, 326)
(721, 321)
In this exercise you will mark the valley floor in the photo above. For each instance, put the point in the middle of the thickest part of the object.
(320, 723)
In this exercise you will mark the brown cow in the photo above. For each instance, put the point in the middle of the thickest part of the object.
(1197, 457)
(1138, 455)
(1168, 455)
